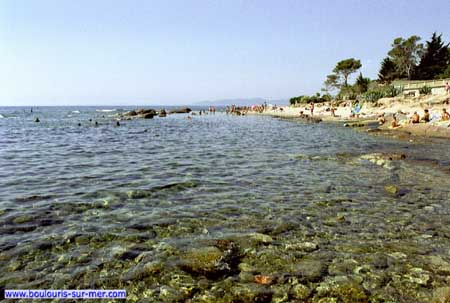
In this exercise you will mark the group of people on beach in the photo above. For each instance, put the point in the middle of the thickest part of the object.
(415, 118)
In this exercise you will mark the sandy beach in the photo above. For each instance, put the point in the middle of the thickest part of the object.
(401, 106)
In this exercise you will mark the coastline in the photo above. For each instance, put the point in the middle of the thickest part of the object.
(368, 118)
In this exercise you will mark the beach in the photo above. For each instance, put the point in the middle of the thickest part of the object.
(400, 106)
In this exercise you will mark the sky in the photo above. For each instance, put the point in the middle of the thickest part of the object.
(106, 52)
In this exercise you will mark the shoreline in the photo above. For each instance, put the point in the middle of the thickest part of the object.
(368, 119)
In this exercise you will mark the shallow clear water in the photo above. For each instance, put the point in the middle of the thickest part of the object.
(88, 207)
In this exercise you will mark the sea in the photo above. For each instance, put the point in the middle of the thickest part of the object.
(220, 208)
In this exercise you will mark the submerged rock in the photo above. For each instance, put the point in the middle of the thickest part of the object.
(310, 270)
(302, 246)
(342, 289)
(300, 292)
(392, 189)
(261, 238)
(438, 265)
(251, 293)
(207, 261)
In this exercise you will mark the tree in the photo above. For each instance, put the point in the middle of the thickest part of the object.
(405, 54)
(434, 60)
(446, 72)
(345, 68)
(387, 71)
(331, 83)
(361, 84)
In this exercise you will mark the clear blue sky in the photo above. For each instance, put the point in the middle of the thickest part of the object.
(95, 52)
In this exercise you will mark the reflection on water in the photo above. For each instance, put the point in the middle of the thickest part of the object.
(220, 209)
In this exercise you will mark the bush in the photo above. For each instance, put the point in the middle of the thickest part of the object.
(392, 91)
(425, 90)
(308, 99)
(373, 96)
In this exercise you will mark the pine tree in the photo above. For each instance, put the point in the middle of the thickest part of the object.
(387, 71)
(361, 84)
(435, 59)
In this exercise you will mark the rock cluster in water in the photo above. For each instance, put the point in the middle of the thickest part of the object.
(150, 113)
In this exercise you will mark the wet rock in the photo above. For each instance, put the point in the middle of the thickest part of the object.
(148, 116)
(169, 295)
(82, 239)
(310, 270)
(418, 276)
(245, 267)
(185, 110)
(251, 293)
(300, 292)
(342, 267)
(14, 265)
(261, 238)
(207, 261)
(33, 198)
(141, 113)
(23, 219)
(392, 189)
(302, 246)
(438, 265)
(49, 221)
(130, 254)
(441, 295)
(281, 293)
(7, 230)
(378, 261)
(43, 245)
(284, 227)
(343, 290)
(246, 277)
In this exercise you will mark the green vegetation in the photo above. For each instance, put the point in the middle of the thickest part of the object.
(410, 59)
(435, 60)
(361, 84)
(405, 54)
(373, 96)
(388, 71)
(317, 98)
(407, 59)
(345, 68)
(379, 92)
(425, 90)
